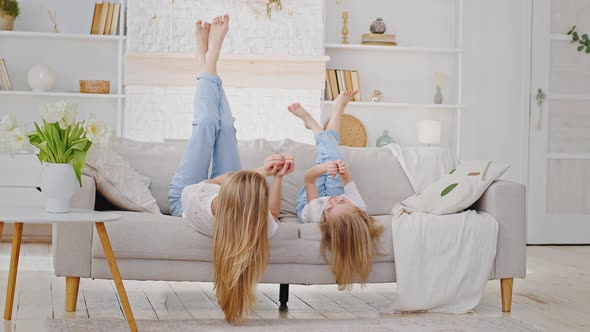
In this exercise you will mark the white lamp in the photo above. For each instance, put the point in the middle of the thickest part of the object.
(429, 132)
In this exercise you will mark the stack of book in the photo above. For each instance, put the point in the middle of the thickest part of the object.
(105, 20)
(338, 80)
(4, 79)
(378, 39)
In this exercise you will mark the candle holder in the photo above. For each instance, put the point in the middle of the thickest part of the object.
(344, 28)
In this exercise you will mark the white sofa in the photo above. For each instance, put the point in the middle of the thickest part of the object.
(162, 247)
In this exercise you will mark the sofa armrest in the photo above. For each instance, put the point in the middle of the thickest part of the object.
(72, 243)
(506, 201)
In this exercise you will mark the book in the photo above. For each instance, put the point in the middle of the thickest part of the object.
(328, 89)
(95, 18)
(115, 21)
(103, 18)
(348, 81)
(6, 85)
(109, 21)
(379, 43)
(333, 83)
(356, 84)
(380, 38)
(341, 84)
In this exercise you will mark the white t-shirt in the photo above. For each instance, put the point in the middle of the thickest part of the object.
(196, 203)
(313, 211)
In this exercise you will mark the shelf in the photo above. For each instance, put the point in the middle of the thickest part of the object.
(396, 105)
(393, 48)
(568, 156)
(59, 35)
(61, 94)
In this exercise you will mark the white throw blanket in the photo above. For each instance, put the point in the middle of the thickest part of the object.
(423, 164)
(443, 262)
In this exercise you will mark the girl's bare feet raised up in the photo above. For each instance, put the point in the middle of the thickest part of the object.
(308, 120)
(338, 109)
(202, 40)
(217, 32)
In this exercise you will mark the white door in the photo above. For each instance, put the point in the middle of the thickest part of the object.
(559, 146)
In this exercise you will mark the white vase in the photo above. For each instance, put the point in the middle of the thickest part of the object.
(41, 78)
(58, 184)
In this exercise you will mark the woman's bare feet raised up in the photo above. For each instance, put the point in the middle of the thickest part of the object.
(217, 32)
(308, 120)
(338, 109)
(202, 40)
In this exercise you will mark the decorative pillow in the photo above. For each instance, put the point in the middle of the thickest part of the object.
(119, 183)
(459, 189)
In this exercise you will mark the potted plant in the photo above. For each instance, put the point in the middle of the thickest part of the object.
(62, 144)
(8, 12)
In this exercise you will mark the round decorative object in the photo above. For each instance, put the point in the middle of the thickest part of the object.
(95, 86)
(6, 22)
(58, 184)
(378, 26)
(352, 132)
(41, 78)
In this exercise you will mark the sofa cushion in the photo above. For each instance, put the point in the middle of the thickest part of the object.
(310, 236)
(376, 171)
(159, 161)
(149, 236)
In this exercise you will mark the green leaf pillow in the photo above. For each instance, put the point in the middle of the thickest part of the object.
(459, 189)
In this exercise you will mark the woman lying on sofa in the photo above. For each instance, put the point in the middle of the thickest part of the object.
(235, 207)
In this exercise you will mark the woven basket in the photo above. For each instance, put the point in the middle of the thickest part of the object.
(95, 86)
(352, 132)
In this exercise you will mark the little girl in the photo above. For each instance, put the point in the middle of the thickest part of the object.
(330, 197)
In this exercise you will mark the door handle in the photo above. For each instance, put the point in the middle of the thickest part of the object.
(540, 99)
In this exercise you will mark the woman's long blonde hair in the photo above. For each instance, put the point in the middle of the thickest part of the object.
(240, 242)
(350, 240)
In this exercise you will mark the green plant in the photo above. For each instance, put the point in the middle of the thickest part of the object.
(583, 40)
(9, 7)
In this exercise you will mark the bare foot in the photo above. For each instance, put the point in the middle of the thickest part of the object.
(343, 99)
(308, 120)
(219, 28)
(202, 40)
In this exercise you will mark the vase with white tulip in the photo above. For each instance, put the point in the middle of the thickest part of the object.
(62, 144)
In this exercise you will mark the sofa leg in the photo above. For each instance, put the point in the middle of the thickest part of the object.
(506, 290)
(284, 297)
(72, 285)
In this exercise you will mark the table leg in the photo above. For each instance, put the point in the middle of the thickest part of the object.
(110, 256)
(1, 228)
(10, 287)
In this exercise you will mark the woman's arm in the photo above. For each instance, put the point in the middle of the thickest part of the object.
(274, 199)
(271, 165)
(344, 172)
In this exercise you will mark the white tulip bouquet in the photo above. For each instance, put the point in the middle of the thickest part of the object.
(59, 139)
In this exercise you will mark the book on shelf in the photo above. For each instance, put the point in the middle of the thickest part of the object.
(107, 25)
(338, 80)
(105, 20)
(378, 39)
(4, 79)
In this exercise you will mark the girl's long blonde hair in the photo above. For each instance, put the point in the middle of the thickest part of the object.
(240, 242)
(350, 240)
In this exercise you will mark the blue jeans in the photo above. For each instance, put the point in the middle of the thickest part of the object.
(327, 143)
(213, 137)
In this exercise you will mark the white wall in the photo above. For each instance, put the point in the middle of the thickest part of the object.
(158, 113)
(495, 80)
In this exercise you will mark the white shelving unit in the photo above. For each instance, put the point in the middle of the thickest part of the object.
(74, 55)
(429, 39)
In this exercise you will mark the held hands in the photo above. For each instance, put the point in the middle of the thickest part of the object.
(279, 164)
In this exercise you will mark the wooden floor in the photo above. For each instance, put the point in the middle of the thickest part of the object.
(555, 295)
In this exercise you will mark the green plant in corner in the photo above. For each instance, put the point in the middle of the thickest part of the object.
(9, 8)
(583, 40)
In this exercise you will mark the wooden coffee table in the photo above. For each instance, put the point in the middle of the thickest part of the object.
(35, 215)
